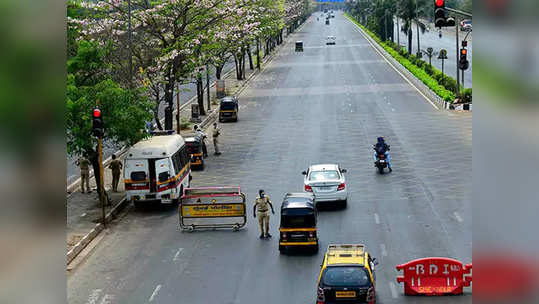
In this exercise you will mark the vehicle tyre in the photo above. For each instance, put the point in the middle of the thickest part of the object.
(316, 248)
(380, 169)
(236, 119)
(201, 166)
(282, 249)
(344, 203)
(137, 204)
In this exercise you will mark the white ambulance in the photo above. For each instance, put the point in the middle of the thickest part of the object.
(157, 169)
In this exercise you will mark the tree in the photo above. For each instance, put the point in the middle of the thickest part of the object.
(409, 12)
(88, 83)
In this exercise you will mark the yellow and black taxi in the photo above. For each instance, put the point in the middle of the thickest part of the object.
(194, 149)
(228, 109)
(298, 223)
(347, 276)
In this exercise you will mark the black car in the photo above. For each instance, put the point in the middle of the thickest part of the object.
(228, 109)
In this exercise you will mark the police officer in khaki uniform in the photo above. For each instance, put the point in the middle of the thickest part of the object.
(215, 134)
(263, 203)
(116, 167)
(84, 165)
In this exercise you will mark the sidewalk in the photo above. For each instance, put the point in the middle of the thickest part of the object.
(84, 210)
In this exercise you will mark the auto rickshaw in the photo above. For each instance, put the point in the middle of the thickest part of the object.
(299, 46)
(228, 109)
(194, 149)
(298, 223)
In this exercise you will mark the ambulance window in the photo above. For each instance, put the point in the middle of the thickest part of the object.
(177, 162)
(138, 175)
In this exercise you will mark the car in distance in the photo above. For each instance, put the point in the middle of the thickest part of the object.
(327, 182)
(330, 40)
(346, 275)
(466, 25)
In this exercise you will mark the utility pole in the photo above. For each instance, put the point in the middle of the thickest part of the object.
(208, 86)
(178, 127)
(130, 44)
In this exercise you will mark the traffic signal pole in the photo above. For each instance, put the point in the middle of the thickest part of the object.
(101, 182)
(458, 53)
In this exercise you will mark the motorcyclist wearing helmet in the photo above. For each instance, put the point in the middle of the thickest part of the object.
(382, 147)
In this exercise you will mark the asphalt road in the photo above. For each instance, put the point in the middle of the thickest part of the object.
(325, 105)
(430, 38)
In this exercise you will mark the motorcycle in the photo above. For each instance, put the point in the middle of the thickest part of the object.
(381, 162)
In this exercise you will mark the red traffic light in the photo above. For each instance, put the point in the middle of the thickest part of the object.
(97, 113)
(439, 3)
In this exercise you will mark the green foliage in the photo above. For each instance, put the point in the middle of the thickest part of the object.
(124, 111)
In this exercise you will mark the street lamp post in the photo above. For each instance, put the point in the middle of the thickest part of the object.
(130, 44)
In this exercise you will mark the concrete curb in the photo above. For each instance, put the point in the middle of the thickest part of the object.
(90, 236)
(434, 99)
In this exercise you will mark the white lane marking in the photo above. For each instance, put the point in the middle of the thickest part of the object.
(358, 29)
(457, 216)
(83, 215)
(107, 299)
(392, 109)
(393, 290)
(156, 290)
(376, 218)
(94, 296)
(177, 255)
(384, 251)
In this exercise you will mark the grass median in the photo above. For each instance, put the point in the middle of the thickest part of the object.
(430, 76)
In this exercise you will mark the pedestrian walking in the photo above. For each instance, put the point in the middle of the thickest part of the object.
(116, 167)
(263, 203)
(215, 134)
(202, 138)
(84, 165)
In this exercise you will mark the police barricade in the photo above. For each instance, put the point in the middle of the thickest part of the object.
(434, 276)
(212, 207)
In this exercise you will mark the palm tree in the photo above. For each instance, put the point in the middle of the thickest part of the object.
(409, 11)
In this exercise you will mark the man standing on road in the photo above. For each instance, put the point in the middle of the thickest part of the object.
(116, 167)
(84, 165)
(263, 203)
(215, 134)
(202, 138)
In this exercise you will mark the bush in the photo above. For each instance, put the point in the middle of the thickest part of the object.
(420, 63)
(466, 95)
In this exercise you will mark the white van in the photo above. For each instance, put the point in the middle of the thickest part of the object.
(157, 169)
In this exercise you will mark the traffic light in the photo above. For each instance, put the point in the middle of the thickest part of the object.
(97, 123)
(440, 15)
(463, 61)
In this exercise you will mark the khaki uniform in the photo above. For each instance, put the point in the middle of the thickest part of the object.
(215, 134)
(263, 213)
(84, 165)
(116, 167)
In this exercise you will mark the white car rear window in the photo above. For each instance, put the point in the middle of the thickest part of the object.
(324, 175)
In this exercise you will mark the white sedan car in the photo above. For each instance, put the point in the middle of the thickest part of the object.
(327, 183)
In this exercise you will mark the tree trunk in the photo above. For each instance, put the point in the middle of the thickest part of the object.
(200, 95)
(238, 75)
(251, 66)
(94, 160)
(243, 59)
(258, 53)
(218, 71)
(410, 39)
